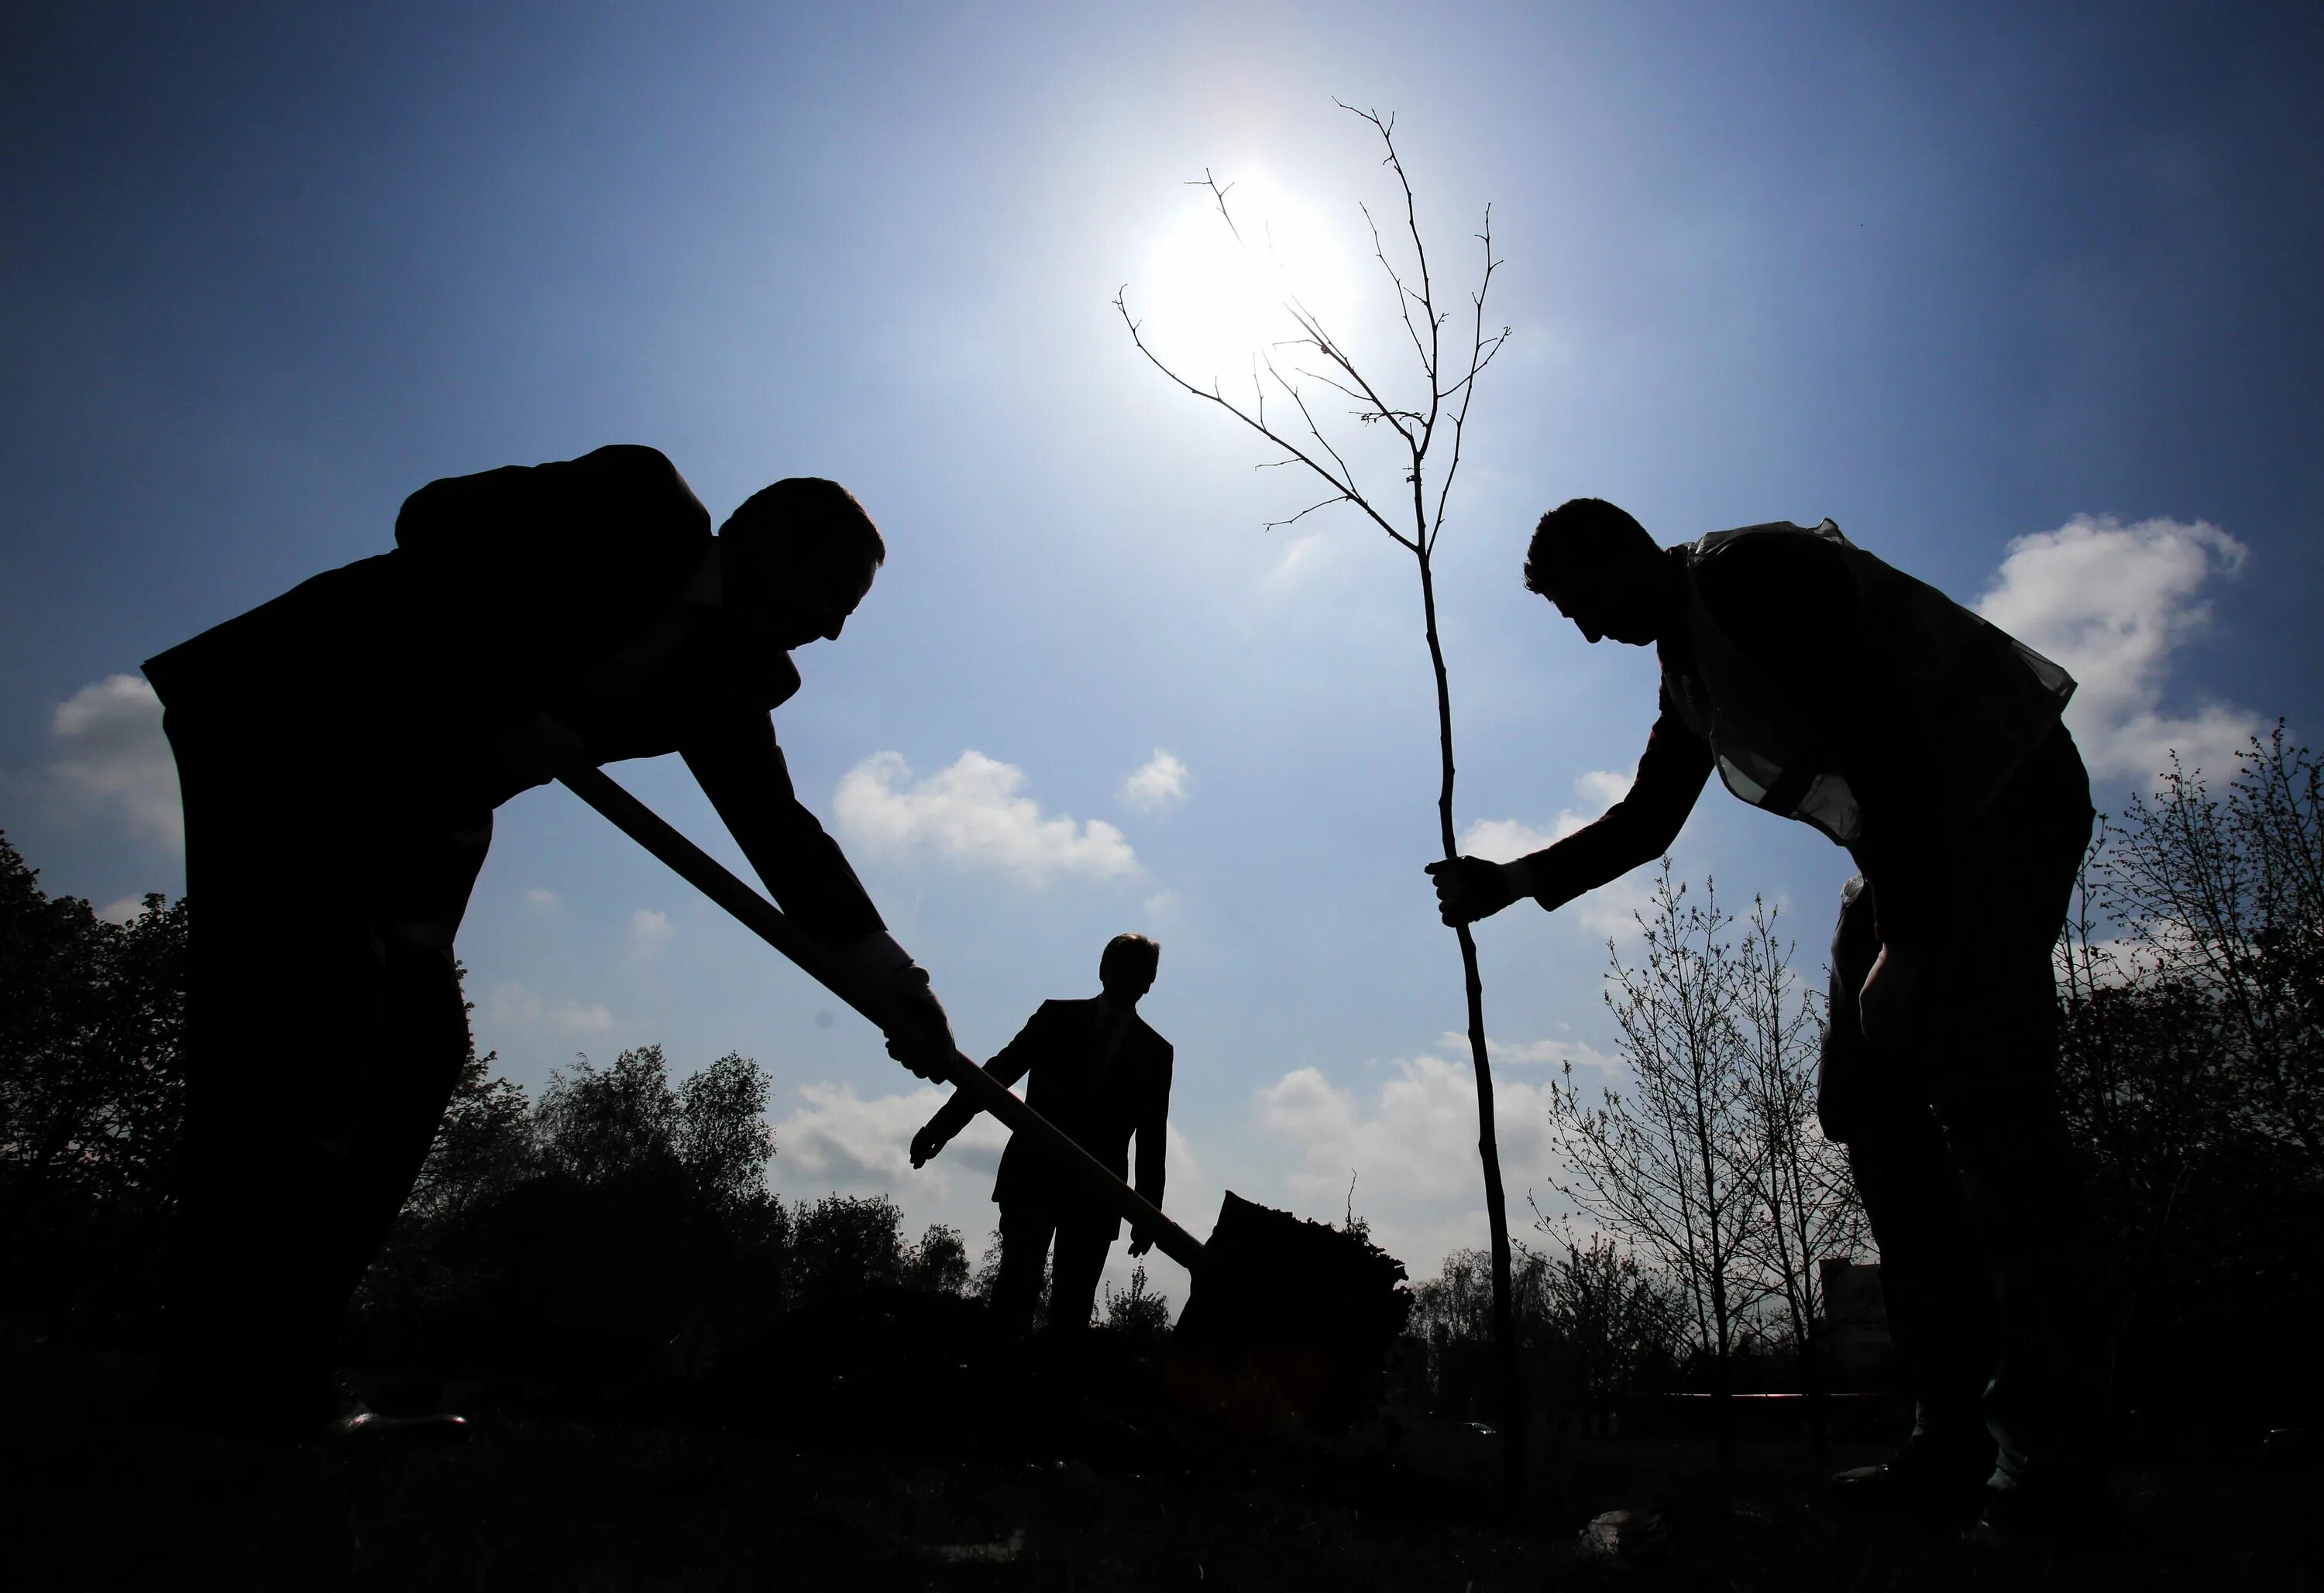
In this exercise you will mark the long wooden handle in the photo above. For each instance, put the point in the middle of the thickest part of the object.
(641, 825)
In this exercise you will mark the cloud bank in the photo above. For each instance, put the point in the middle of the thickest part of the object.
(1610, 909)
(975, 812)
(2113, 603)
(110, 749)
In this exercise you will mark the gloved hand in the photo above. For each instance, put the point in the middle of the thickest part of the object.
(919, 1034)
(927, 1143)
(1469, 888)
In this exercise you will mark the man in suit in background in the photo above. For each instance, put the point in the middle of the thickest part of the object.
(1102, 1075)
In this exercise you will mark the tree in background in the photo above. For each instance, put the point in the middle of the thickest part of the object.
(1675, 1165)
(1137, 1312)
(1808, 1206)
(1616, 1324)
(2188, 1072)
(92, 1024)
(1315, 366)
(2225, 896)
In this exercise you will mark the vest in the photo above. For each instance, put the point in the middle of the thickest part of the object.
(1974, 699)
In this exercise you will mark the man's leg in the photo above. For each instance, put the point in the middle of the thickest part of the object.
(1081, 1248)
(1993, 1082)
(285, 984)
(1024, 1233)
(325, 1032)
(419, 1043)
(1931, 1286)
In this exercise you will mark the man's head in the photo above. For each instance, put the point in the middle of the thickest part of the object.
(796, 558)
(1601, 570)
(1128, 966)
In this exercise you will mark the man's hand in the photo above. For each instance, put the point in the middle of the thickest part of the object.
(1140, 1241)
(1469, 888)
(919, 1034)
(926, 1144)
(1890, 1001)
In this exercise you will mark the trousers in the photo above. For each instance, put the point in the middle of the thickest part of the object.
(1959, 1148)
(325, 1033)
(1027, 1230)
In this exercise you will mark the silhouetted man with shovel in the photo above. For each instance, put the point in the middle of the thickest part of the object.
(1102, 1076)
(1828, 687)
(341, 750)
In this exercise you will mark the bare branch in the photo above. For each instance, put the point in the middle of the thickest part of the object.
(1340, 484)
(1218, 197)
(1277, 524)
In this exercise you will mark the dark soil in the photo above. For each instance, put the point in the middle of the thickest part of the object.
(866, 1454)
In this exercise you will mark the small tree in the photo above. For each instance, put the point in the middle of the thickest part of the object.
(1613, 1321)
(1809, 1210)
(938, 1263)
(1675, 1166)
(1137, 1312)
(2227, 896)
(1315, 366)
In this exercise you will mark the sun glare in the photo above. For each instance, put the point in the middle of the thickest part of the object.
(1211, 297)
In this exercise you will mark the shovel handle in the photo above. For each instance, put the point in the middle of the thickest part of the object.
(641, 825)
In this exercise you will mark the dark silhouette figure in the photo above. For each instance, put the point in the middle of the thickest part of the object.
(341, 750)
(1102, 1075)
(1826, 686)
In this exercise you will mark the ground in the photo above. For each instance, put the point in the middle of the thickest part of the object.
(817, 1468)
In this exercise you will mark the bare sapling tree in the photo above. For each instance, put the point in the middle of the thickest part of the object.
(1428, 420)
(1809, 1207)
(1674, 1165)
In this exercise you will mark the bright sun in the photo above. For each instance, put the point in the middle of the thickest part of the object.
(1207, 301)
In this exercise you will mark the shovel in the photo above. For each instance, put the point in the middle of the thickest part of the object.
(1301, 1310)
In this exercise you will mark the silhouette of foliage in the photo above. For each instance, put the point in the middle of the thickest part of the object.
(92, 1021)
(1137, 1312)
(2190, 978)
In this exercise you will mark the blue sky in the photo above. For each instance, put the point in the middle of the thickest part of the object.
(2025, 302)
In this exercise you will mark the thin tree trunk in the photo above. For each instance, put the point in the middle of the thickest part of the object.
(1511, 1372)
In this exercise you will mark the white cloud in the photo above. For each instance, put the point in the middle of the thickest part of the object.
(515, 1007)
(540, 898)
(842, 1139)
(110, 747)
(2112, 603)
(1531, 1052)
(651, 931)
(127, 910)
(973, 812)
(1609, 910)
(1415, 1139)
(1159, 783)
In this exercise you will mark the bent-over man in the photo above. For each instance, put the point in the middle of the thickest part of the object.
(1828, 687)
(341, 750)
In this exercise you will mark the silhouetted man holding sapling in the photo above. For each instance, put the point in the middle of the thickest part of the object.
(1828, 687)
(341, 750)
(1102, 1075)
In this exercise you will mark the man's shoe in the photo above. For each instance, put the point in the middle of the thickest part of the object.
(1923, 1478)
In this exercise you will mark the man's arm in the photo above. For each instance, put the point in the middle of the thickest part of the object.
(1153, 1146)
(743, 774)
(1009, 1064)
(1637, 830)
